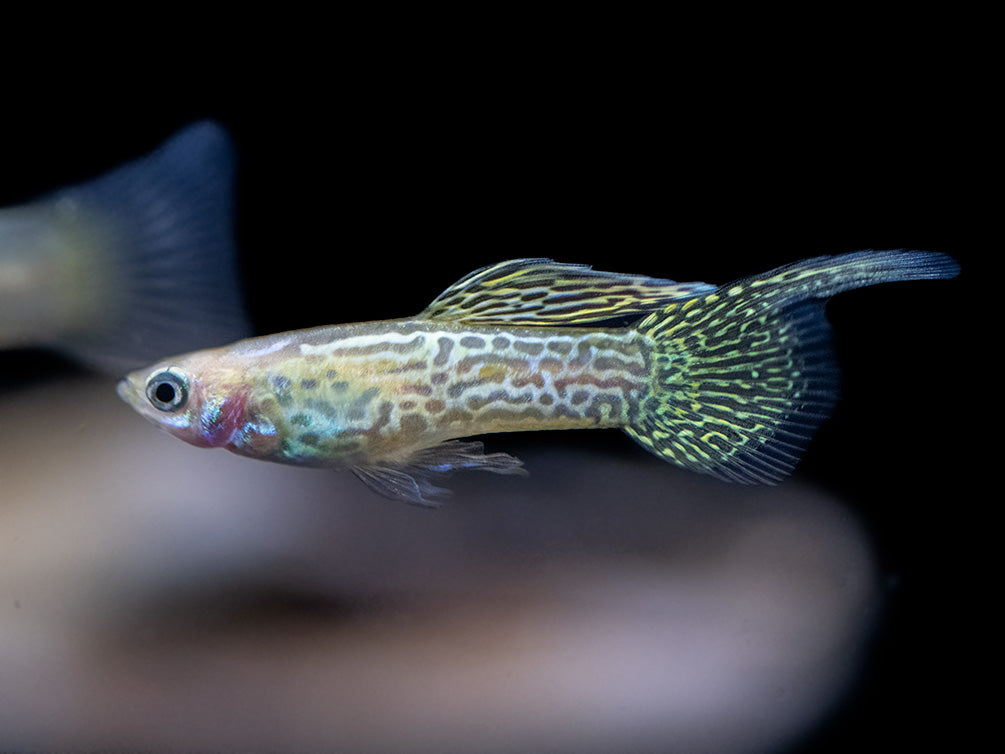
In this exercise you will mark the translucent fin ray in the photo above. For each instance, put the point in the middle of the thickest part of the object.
(413, 480)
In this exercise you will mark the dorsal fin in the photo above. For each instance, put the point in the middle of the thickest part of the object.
(543, 292)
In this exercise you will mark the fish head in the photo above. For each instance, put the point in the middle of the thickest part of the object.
(196, 401)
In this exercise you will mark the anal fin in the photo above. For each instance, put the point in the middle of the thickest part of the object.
(413, 479)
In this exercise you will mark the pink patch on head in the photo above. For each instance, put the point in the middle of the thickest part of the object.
(219, 421)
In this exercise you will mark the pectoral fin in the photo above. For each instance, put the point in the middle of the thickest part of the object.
(412, 480)
(540, 292)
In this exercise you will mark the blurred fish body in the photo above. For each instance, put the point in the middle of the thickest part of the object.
(131, 266)
(730, 381)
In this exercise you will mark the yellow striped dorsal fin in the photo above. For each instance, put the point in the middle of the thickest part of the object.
(540, 292)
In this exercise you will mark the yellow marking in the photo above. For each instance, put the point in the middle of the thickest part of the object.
(382, 365)
(492, 373)
(515, 274)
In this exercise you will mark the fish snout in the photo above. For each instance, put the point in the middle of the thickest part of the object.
(129, 391)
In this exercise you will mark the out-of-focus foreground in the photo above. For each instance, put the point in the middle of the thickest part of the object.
(155, 596)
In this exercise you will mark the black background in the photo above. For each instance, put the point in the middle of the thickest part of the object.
(375, 168)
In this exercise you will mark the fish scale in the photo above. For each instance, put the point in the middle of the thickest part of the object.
(729, 381)
(395, 387)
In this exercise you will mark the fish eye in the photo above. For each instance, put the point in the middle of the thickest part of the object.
(167, 390)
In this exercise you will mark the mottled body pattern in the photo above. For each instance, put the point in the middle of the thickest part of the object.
(730, 381)
(384, 390)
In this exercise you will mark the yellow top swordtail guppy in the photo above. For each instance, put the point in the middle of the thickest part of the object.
(730, 381)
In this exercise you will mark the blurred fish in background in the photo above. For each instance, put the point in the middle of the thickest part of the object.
(131, 266)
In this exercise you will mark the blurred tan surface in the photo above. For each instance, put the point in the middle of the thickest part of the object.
(159, 597)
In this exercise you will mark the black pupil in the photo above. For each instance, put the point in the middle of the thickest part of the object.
(165, 392)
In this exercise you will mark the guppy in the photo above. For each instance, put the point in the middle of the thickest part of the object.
(730, 381)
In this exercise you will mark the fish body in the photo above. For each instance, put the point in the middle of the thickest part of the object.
(730, 381)
(386, 389)
(134, 264)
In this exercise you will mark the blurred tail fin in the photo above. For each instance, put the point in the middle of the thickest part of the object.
(142, 259)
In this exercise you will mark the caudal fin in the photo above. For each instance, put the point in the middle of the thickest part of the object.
(143, 256)
(743, 376)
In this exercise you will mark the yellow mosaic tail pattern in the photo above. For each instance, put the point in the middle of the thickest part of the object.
(744, 375)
